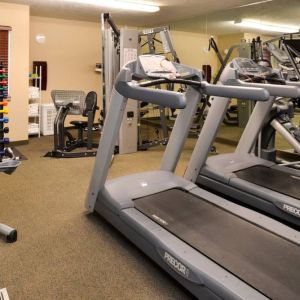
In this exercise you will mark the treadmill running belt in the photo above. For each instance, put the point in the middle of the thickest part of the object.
(265, 261)
(272, 179)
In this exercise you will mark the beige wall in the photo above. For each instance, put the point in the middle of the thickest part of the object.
(17, 16)
(71, 49)
(192, 47)
(248, 36)
(227, 40)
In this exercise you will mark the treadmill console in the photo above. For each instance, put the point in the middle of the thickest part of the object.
(158, 66)
(248, 68)
(279, 54)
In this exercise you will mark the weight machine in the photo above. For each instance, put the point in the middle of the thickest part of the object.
(119, 46)
(74, 103)
(156, 41)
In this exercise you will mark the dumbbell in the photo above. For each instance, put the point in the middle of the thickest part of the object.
(3, 70)
(3, 75)
(3, 82)
(3, 92)
(3, 103)
(4, 120)
(3, 88)
(4, 130)
(4, 111)
(4, 141)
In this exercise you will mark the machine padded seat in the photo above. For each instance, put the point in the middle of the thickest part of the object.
(90, 105)
(84, 125)
(77, 123)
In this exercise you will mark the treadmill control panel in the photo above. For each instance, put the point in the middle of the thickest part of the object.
(248, 68)
(279, 54)
(158, 66)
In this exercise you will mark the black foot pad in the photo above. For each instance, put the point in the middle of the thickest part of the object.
(12, 237)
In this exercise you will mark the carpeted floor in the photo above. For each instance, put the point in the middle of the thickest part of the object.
(63, 253)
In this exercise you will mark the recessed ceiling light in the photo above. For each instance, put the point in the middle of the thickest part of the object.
(118, 4)
(266, 27)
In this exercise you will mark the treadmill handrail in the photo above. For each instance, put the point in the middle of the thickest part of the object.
(247, 93)
(226, 91)
(164, 98)
(133, 90)
(293, 83)
(273, 89)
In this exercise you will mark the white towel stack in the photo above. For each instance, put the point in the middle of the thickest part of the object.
(34, 92)
(33, 109)
(33, 128)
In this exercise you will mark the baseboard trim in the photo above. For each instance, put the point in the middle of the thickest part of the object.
(18, 143)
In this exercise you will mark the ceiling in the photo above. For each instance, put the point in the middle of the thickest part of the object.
(206, 15)
(221, 21)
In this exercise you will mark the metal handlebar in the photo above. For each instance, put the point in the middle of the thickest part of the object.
(247, 93)
(137, 91)
(293, 83)
(273, 89)
(155, 96)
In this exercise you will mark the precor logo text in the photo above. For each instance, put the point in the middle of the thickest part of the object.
(291, 209)
(176, 264)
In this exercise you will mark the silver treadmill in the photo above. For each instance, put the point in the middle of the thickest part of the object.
(246, 178)
(213, 247)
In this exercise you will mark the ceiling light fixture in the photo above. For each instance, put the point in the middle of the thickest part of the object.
(126, 5)
(266, 27)
(254, 3)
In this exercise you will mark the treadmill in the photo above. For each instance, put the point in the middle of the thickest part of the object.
(213, 247)
(248, 179)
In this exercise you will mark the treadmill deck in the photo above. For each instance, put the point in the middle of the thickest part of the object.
(265, 261)
(272, 179)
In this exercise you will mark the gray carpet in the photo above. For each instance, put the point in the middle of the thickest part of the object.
(63, 253)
